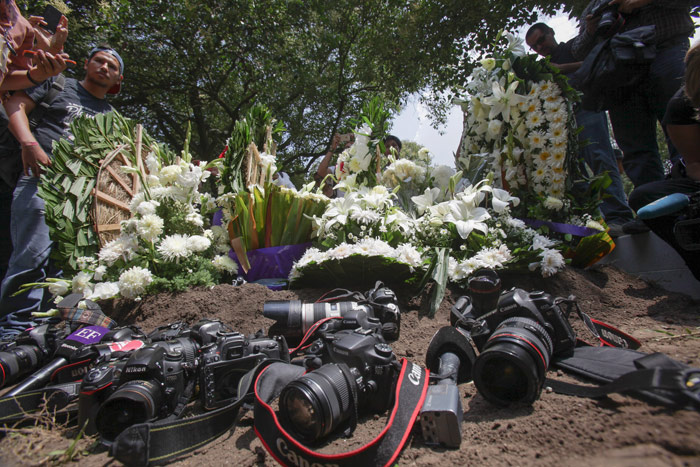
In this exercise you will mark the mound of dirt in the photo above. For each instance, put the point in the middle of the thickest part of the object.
(618, 430)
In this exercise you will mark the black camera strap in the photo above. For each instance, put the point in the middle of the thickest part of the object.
(654, 377)
(165, 440)
(17, 408)
(410, 393)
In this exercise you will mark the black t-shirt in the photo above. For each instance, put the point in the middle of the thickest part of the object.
(680, 110)
(70, 103)
(562, 54)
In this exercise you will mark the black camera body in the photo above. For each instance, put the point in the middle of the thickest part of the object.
(516, 332)
(610, 19)
(353, 371)
(226, 356)
(154, 381)
(98, 384)
(537, 306)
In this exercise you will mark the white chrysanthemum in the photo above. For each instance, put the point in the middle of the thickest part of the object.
(225, 263)
(553, 203)
(104, 291)
(85, 261)
(81, 283)
(100, 271)
(174, 247)
(591, 224)
(150, 227)
(198, 243)
(168, 175)
(541, 242)
(59, 287)
(123, 247)
(537, 139)
(534, 119)
(364, 216)
(552, 262)
(406, 253)
(341, 251)
(133, 282)
(147, 207)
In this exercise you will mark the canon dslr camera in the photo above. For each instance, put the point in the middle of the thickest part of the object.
(516, 333)
(353, 371)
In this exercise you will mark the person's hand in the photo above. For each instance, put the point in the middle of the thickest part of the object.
(591, 25)
(47, 65)
(46, 41)
(33, 157)
(628, 6)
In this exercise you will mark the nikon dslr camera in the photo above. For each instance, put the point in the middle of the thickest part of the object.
(516, 333)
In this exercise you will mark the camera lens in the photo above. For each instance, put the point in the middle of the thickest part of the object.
(134, 402)
(512, 366)
(314, 405)
(18, 361)
(484, 290)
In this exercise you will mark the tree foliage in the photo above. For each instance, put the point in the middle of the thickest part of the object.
(312, 63)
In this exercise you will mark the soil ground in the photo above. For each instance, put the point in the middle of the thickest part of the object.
(617, 430)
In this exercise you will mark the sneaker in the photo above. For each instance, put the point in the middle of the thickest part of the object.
(616, 230)
(635, 227)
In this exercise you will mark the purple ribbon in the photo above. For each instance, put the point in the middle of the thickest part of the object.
(562, 228)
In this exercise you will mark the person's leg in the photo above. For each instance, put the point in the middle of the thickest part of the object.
(598, 153)
(5, 237)
(665, 78)
(634, 125)
(31, 248)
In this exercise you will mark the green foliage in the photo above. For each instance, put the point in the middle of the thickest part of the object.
(66, 185)
(252, 128)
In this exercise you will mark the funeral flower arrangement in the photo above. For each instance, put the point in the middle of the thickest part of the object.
(520, 131)
(167, 244)
(444, 232)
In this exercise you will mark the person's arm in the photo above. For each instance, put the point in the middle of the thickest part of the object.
(628, 6)
(322, 170)
(686, 139)
(567, 68)
(46, 66)
(46, 41)
(18, 108)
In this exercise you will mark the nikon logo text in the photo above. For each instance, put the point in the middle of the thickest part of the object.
(415, 374)
(296, 459)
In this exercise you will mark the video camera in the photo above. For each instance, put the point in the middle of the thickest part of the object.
(350, 371)
(378, 306)
(516, 333)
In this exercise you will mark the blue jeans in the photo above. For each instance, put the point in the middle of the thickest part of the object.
(634, 117)
(30, 255)
(597, 151)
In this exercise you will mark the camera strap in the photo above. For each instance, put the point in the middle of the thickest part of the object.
(17, 408)
(410, 393)
(165, 440)
(654, 377)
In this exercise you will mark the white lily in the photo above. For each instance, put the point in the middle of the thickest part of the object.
(501, 200)
(467, 218)
(503, 99)
(426, 200)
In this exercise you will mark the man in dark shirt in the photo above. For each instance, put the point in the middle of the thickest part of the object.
(635, 114)
(596, 148)
(30, 234)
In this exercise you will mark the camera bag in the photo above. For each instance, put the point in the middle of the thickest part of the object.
(411, 389)
(615, 67)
